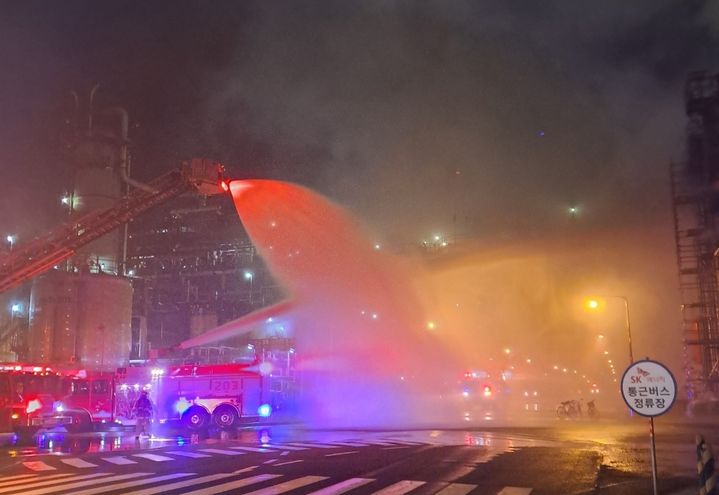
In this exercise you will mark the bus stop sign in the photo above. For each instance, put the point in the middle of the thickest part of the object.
(649, 388)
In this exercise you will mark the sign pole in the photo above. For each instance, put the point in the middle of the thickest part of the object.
(649, 389)
(654, 455)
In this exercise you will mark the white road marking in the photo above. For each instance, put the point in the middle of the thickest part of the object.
(18, 476)
(46, 481)
(187, 453)
(315, 445)
(352, 444)
(119, 460)
(183, 484)
(28, 478)
(288, 485)
(400, 487)
(456, 489)
(342, 453)
(38, 466)
(397, 447)
(231, 485)
(515, 490)
(222, 451)
(80, 484)
(154, 457)
(285, 447)
(130, 484)
(78, 463)
(254, 449)
(342, 487)
(289, 462)
(270, 461)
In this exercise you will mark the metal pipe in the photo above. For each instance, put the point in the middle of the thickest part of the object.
(122, 114)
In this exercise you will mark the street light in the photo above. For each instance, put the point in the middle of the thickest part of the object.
(249, 276)
(11, 240)
(595, 303)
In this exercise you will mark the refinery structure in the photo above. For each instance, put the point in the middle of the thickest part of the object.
(695, 195)
(136, 268)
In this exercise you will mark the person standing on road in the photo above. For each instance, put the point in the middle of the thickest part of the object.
(143, 414)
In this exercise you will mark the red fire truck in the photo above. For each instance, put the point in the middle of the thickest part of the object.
(194, 396)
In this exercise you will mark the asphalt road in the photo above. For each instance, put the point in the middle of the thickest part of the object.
(557, 458)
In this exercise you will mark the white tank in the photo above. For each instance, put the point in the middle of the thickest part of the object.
(80, 319)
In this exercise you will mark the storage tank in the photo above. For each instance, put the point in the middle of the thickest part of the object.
(82, 319)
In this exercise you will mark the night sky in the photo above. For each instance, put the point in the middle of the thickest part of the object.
(474, 119)
(378, 104)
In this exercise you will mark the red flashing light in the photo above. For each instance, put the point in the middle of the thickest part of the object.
(225, 184)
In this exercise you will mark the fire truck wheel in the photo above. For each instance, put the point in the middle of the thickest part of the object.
(195, 418)
(80, 423)
(225, 416)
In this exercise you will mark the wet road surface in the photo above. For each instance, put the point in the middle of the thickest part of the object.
(554, 459)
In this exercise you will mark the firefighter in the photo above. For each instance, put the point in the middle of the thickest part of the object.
(143, 414)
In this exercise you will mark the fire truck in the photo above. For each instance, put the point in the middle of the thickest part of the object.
(193, 396)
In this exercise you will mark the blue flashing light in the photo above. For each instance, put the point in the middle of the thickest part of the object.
(264, 410)
(180, 441)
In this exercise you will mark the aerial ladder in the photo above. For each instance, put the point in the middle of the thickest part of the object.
(45, 252)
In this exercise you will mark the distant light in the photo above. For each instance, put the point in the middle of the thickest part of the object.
(270, 320)
(250, 347)
(157, 372)
(564, 370)
(592, 304)
(529, 361)
(16, 308)
(487, 391)
(273, 224)
(375, 316)
(377, 247)
(437, 237)
(465, 393)
(65, 200)
(507, 350)
(248, 275)
(265, 368)
(556, 367)
(540, 133)
(430, 325)
(264, 410)
(600, 336)
(11, 239)
(606, 353)
(225, 185)
(131, 273)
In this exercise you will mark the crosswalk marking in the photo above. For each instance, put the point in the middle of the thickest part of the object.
(46, 481)
(283, 447)
(119, 460)
(130, 484)
(456, 489)
(342, 453)
(154, 457)
(288, 485)
(396, 447)
(222, 451)
(515, 490)
(400, 487)
(315, 445)
(25, 478)
(78, 463)
(255, 449)
(289, 462)
(17, 477)
(231, 485)
(182, 484)
(342, 486)
(80, 484)
(352, 444)
(187, 453)
(38, 466)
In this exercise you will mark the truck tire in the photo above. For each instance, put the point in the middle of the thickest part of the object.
(225, 416)
(195, 418)
(81, 423)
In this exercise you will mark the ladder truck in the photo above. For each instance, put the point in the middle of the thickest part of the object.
(44, 252)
